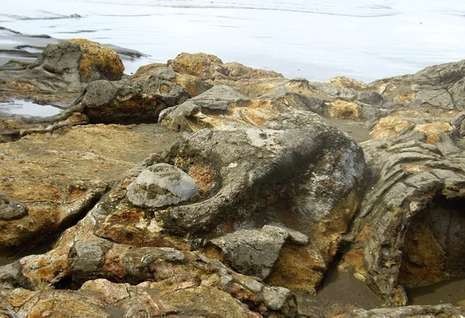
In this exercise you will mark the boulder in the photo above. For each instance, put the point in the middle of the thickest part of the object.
(161, 185)
(131, 100)
(252, 252)
(62, 70)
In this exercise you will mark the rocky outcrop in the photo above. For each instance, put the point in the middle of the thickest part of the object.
(60, 72)
(439, 86)
(43, 188)
(242, 201)
(407, 228)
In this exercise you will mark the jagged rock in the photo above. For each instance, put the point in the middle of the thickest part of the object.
(438, 85)
(161, 185)
(193, 85)
(210, 67)
(402, 232)
(135, 99)
(252, 252)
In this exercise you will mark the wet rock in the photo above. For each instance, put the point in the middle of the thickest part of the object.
(10, 209)
(252, 252)
(161, 185)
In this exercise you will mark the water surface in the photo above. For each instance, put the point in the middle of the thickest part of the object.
(28, 109)
(315, 39)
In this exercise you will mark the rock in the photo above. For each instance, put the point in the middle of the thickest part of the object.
(275, 297)
(161, 185)
(98, 62)
(201, 65)
(132, 100)
(294, 236)
(210, 67)
(429, 123)
(58, 178)
(344, 110)
(10, 209)
(437, 86)
(401, 233)
(371, 98)
(252, 252)
(61, 72)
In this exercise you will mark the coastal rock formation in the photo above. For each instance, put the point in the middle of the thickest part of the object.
(210, 189)
(48, 181)
(60, 72)
(408, 227)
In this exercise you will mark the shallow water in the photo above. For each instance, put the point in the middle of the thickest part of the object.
(28, 109)
(442, 293)
(315, 39)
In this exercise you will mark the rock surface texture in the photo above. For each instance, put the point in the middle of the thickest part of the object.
(199, 188)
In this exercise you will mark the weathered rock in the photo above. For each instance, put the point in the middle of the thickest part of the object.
(161, 185)
(10, 209)
(252, 252)
(61, 72)
(402, 232)
(135, 99)
(57, 178)
(273, 127)
(438, 86)
(429, 123)
(210, 67)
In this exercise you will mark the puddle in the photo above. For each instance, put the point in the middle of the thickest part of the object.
(442, 293)
(27, 109)
(359, 131)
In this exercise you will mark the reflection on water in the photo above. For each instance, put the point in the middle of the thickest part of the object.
(28, 109)
(315, 39)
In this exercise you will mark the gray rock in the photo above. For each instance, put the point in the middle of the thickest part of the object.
(294, 236)
(217, 98)
(161, 185)
(275, 297)
(415, 185)
(252, 252)
(86, 257)
(10, 209)
(371, 98)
